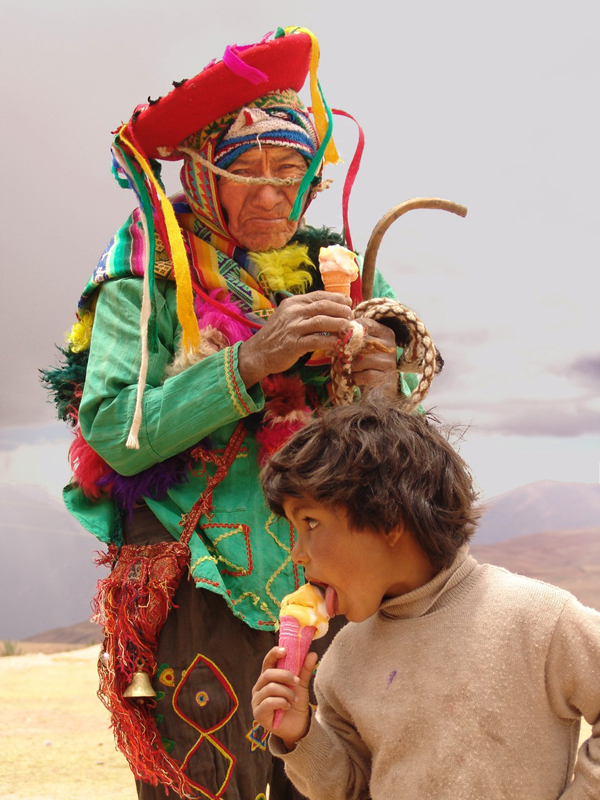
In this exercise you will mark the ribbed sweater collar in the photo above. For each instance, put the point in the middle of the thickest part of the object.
(442, 591)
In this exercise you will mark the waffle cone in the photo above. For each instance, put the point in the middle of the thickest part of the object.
(297, 640)
(337, 282)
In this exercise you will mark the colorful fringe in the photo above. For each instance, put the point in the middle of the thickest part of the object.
(132, 604)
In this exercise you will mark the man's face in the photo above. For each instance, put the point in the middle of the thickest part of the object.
(258, 214)
(349, 564)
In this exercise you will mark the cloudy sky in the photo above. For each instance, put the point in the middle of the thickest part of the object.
(490, 105)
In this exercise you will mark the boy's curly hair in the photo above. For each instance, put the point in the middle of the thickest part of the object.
(384, 466)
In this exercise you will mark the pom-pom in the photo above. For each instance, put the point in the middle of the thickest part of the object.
(286, 399)
(80, 336)
(88, 468)
(286, 412)
(209, 316)
(282, 270)
(272, 438)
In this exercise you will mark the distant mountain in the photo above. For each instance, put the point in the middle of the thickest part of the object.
(567, 558)
(84, 633)
(538, 507)
(48, 575)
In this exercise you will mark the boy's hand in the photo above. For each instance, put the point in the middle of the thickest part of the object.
(279, 688)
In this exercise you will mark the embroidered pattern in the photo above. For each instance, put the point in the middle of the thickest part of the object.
(202, 699)
(287, 549)
(166, 675)
(207, 736)
(235, 570)
(234, 390)
(257, 736)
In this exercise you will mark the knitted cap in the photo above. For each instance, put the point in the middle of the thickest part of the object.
(279, 126)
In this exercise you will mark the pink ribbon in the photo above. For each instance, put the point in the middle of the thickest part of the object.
(232, 60)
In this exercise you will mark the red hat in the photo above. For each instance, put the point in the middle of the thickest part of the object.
(245, 74)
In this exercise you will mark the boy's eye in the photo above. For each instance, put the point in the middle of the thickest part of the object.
(310, 522)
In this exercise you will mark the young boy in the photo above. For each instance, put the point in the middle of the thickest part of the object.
(453, 679)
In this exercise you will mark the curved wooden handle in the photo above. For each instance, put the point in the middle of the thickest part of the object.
(384, 223)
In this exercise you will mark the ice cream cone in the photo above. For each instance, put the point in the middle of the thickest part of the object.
(337, 282)
(297, 639)
(338, 268)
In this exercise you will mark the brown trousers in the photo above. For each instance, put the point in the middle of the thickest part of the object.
(208, 661)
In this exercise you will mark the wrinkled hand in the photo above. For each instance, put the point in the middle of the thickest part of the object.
(293, 330)
(281, 689)
(375, 364)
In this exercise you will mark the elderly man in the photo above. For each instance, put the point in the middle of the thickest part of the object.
(200, 414)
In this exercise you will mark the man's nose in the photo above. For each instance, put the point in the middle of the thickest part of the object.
(267, 196)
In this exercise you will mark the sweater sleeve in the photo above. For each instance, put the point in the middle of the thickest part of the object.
(331, 762)
(178, 411)
(573, 682)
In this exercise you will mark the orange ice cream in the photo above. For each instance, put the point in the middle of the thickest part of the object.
(307, 605)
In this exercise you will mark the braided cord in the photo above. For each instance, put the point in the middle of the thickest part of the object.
(418, 356)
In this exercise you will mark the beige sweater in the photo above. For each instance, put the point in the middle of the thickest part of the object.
(468, 688)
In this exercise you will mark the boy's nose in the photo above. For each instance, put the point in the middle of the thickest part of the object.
(298, 555)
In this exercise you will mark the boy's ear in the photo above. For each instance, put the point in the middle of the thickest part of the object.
(393, 537)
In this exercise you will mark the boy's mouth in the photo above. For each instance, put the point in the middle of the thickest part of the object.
(331, 602)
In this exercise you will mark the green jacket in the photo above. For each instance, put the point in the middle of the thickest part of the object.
(243, 552)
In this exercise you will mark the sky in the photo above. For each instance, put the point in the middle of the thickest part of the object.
(491, 106)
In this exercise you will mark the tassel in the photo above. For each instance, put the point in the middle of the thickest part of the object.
(133, 440)
(132, 604)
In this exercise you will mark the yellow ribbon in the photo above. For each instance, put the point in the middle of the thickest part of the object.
(190, 334)
(321, 122)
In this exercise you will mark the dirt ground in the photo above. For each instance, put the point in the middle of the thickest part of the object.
(54, 738)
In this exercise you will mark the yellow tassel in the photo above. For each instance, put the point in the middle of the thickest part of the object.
(281, 270)
(321, 122)
(80, 336)
(190, 335)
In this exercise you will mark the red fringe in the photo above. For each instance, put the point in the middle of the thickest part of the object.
(132, 604)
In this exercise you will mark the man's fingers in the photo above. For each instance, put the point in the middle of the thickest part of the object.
(323, 303)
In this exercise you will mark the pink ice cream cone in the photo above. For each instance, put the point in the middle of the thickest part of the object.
(297, 639)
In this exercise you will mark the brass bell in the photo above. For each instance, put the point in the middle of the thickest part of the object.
(140, 686)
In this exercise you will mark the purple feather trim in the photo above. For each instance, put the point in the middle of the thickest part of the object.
(209, 315)
(154, 482)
